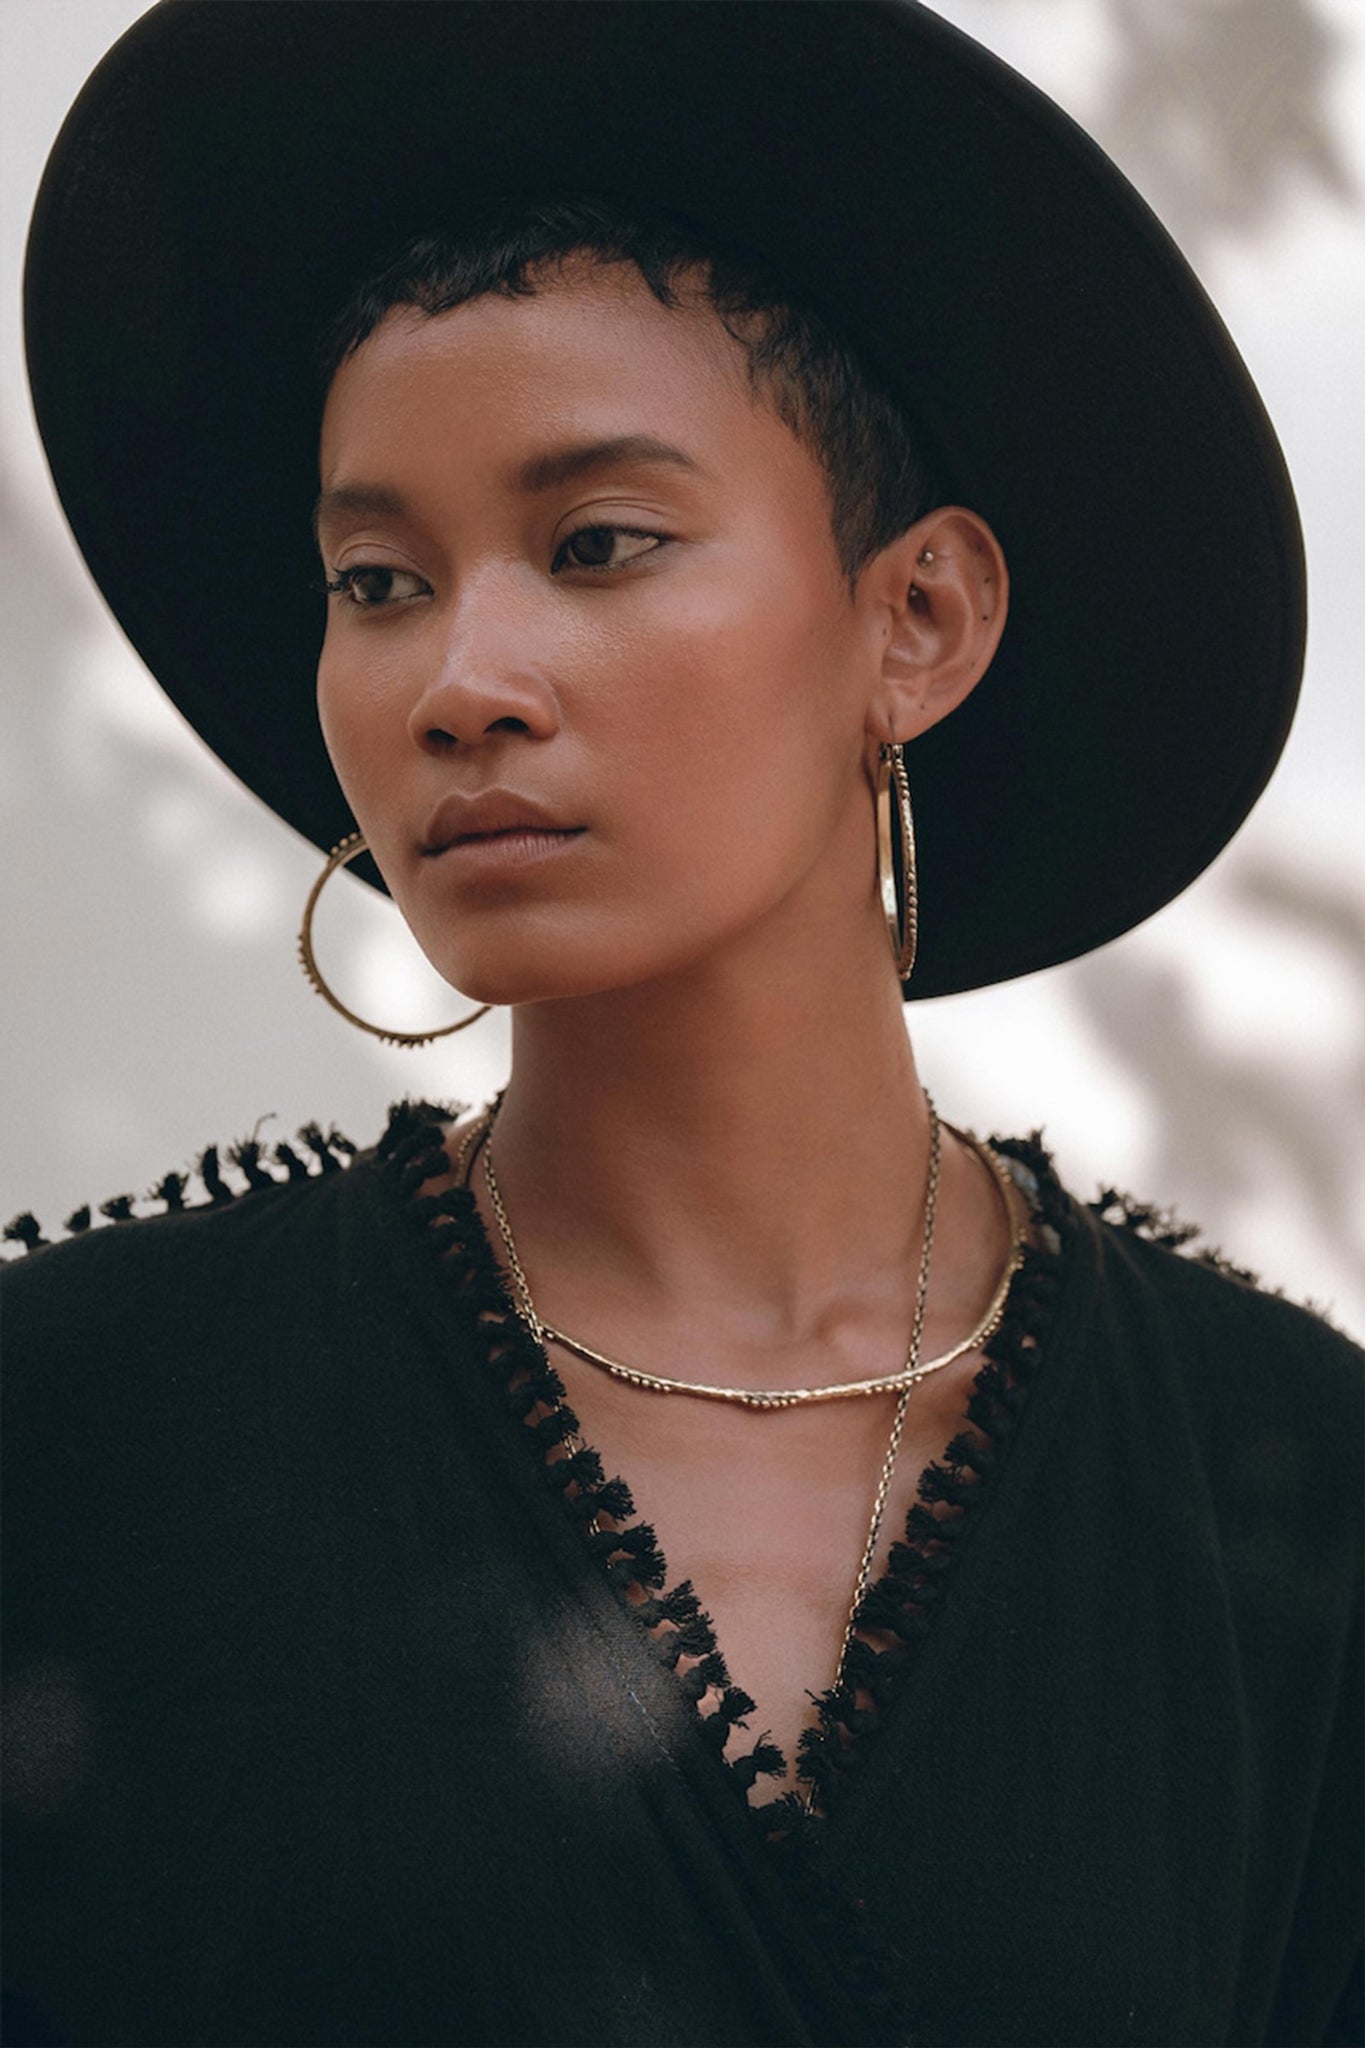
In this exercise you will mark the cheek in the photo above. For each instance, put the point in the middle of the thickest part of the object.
(726, 658)
(336, 712)
(755, 683)
(739, 760)
(362, 722)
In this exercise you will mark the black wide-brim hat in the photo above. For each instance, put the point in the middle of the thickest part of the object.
(231, 172)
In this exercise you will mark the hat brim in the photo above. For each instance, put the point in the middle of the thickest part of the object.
(229, 173)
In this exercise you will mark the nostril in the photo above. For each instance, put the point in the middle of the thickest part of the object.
(439, 737)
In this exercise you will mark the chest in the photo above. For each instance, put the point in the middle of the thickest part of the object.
(768, 1514)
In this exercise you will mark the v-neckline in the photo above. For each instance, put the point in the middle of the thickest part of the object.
(901, 1605)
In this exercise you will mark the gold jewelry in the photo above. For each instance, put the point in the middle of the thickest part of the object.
(764, 1398)
(913, 1370)
(474, 1136)
(348, 850)
(902, 914)
(480, 1134)
(804, 1397)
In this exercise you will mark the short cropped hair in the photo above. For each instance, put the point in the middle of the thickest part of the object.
(879, 480)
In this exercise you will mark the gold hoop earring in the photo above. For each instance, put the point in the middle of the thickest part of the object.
(349, 850)
(902, 912)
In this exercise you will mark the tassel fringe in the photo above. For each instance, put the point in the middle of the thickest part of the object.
(258, 1167)
(681, 1634)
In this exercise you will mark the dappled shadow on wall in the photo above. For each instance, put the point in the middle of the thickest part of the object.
(1234, 1118)
(155, 1004)
(1216, 109)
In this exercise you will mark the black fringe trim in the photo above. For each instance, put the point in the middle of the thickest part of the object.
(27, 1231)
(951, 1497)
(256, 1164)
(1164, 1227)
(681, 1634)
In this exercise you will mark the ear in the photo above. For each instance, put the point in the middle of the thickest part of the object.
(936, 601)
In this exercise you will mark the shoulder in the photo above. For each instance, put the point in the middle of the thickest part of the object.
(1272, 1392)
(1210, 1306)
(166, 1357)
(134, 1320)
(189, 1221)
(253, 1232)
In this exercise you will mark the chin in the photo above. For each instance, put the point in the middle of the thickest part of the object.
(554, 953)
(512, 975)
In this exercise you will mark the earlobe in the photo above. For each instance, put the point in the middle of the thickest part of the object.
(940, 592)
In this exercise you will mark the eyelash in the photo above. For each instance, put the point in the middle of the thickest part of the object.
(344, 582)
(626, 532)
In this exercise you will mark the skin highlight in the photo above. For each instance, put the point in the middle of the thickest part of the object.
(714, 1143)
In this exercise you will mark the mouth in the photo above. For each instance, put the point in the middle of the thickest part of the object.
(494, 821)
(513, 846)
(513, 832)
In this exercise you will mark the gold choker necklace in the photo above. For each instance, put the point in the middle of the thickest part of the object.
(755, 1397)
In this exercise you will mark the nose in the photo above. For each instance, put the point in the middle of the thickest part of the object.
(486, 682)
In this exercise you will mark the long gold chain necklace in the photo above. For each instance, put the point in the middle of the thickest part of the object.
(901, 1382)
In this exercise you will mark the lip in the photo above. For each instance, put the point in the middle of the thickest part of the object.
(496, 821)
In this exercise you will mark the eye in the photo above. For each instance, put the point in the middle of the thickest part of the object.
(592, 547)
(371, 587)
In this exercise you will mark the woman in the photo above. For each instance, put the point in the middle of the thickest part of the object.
(690, 496)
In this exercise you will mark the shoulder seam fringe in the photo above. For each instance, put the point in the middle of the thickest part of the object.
(323, 1151)
(1164, 1227)
(674, 1623)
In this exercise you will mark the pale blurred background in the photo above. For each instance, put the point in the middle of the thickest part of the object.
(1214, 1060)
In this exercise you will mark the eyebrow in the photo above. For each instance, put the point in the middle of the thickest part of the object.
(377, 498)
(560, 465)
(539, 473)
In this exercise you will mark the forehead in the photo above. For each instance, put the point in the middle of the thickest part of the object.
(590, 351)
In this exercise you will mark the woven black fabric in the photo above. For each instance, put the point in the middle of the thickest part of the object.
(326, 1722)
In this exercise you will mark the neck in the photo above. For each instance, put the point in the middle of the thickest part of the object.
(744, 1134)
